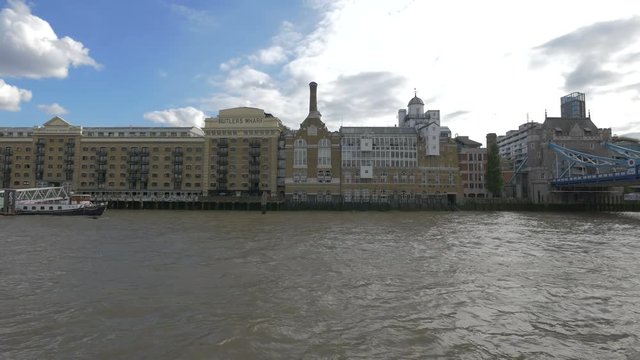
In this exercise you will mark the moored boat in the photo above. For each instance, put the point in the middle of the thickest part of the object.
(61, 209)
(64, 205)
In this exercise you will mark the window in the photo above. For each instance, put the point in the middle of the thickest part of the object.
(300, 153)
(324, 153)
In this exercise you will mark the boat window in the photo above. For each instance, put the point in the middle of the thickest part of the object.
(59, 207)
(33, 208)
(50, 207)
(41, 207)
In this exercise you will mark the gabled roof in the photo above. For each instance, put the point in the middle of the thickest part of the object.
(567, 124)
(57, 121)
(466, 142)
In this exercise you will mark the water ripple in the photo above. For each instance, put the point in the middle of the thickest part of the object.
(321, 285)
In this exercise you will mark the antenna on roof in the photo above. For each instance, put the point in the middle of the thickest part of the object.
(415, 92)
(527, 116)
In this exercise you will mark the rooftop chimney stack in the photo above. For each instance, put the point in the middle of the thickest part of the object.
(313, 104)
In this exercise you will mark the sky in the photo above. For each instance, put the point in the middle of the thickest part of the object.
(488, 66)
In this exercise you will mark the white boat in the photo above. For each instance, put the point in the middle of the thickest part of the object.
(48, 201)
(75, 205)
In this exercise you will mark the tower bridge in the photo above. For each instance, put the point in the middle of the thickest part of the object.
(623, 169)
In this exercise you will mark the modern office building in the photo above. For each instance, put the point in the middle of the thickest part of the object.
(573, 106)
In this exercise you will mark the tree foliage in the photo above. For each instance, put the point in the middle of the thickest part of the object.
(493, 176)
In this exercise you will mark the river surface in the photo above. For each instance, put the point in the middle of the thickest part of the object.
(320, 285)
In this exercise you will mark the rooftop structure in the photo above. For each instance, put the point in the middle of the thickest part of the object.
(573, 106)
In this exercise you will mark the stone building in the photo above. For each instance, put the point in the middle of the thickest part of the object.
(236, 154)
(415, 162)
(575, 131)
(473, 162)
(379, 163)
(312, 156)
(242, 152)
(118, 161)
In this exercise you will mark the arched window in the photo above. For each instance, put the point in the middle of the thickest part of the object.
(324, 153)
(300, 154)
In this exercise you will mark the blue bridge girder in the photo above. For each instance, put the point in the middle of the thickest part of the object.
(621, 178)
(586, 159)
(619, 171)
(518, 169)
(622, 151)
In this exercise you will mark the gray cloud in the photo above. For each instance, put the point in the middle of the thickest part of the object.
(635, 135)
(630, 126)
(635, 87)
(631, 58)
(367, 94)
(609, 36)
(592, 48)
(590, 73)
(455, 114)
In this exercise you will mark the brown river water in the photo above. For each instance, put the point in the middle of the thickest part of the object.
(320, 285)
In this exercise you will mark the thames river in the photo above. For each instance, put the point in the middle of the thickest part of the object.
(320, 285)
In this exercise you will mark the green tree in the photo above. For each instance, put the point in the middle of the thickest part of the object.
(493, 176)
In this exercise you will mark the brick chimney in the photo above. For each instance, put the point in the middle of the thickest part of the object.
(313, 99)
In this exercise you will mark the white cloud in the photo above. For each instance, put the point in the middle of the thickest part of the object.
(270, 56)
(186, 116)
(367, 56)
(11, 96)
(230, 64)
(240, 79)
(30, 47)
(54, 109)
(196, 18)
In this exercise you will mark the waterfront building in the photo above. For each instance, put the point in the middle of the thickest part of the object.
(242, 152)
(426, 124)
(242, 149)
(105, 161)
(473, 162)
(414, 162)
(512, 147)
(378, 163)
(543, 164)
(440, 174)
(312, 156)
(513, 151)
(17, 167)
